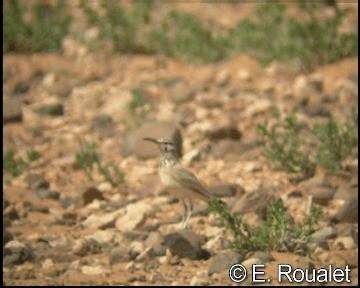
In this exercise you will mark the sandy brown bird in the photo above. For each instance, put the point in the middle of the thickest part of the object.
(179, 180)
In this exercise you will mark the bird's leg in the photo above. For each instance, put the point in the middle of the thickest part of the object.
(189, 213)
(183, 224)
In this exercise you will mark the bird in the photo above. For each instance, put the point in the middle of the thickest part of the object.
(179, 180)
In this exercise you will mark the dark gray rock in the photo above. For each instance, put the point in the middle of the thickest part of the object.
(12, 111)
(220, 133)
(44, 193)
(321, 195)
(55, 109)
(16, 253)
(7, 236)
(264, 257)
(36, 182)
(157, 242)
(90, 194)
(119, 254)
(223, 262)
(349, 211)
(185, 243)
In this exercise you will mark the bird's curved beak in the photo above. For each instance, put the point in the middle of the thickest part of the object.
(151, 140)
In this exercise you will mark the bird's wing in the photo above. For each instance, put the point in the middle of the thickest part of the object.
(188, 180)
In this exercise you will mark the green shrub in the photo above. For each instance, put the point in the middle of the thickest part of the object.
(283, 144)
(277, 232)
(49, 24)
(335, 143)
(88, 156)
(330, 145)
(15, 166)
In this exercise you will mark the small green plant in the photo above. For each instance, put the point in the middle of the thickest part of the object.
(335, 143)
(277, 232)
(15, 166)
(88, 156)
(330, 145)
(283, 145)
(120, 26)
(50, 23)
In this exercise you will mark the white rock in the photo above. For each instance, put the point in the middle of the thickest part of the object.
(103, 236)
(345, 242)
(102, 221)
(14, 244)
(135, 217)
(243, 75)
(191, 156)
(47, 263)
(105, 187)
(303, 85)
(95, 270)
(196, 281)
(249, 262)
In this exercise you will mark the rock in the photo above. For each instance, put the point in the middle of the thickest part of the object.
(97, 270)
(36, 182)
(157, 243)
(47, 263)
(86, 246)
(51, 109)
(103, 236)
(316, 181)
(20, 87)
(66, 202)
(264, 257)
(134, 142)
(36, 208)
(249, 262)
(91, 194)
(119, 254)
(191, 156)
(321, 195)
(185, 116)
(6, 203)
(243, 75)
(196, 281)
(317, 111)
(227, 190)
(44, 193)
(12, 111)
(223, 133)
(223, 262)
(7, 236)
(225, 147)
(348, 190)
(10, 213)
(102, 221)
(185, 243)
(222, 77)
(344, 242)
(135, 217)
(257, 202)
(305, 85)
(103, 124)
(323, 235)
(16, 253)
(348, 212)
(105, 187)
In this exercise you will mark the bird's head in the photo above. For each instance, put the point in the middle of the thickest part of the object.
(166, 145)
